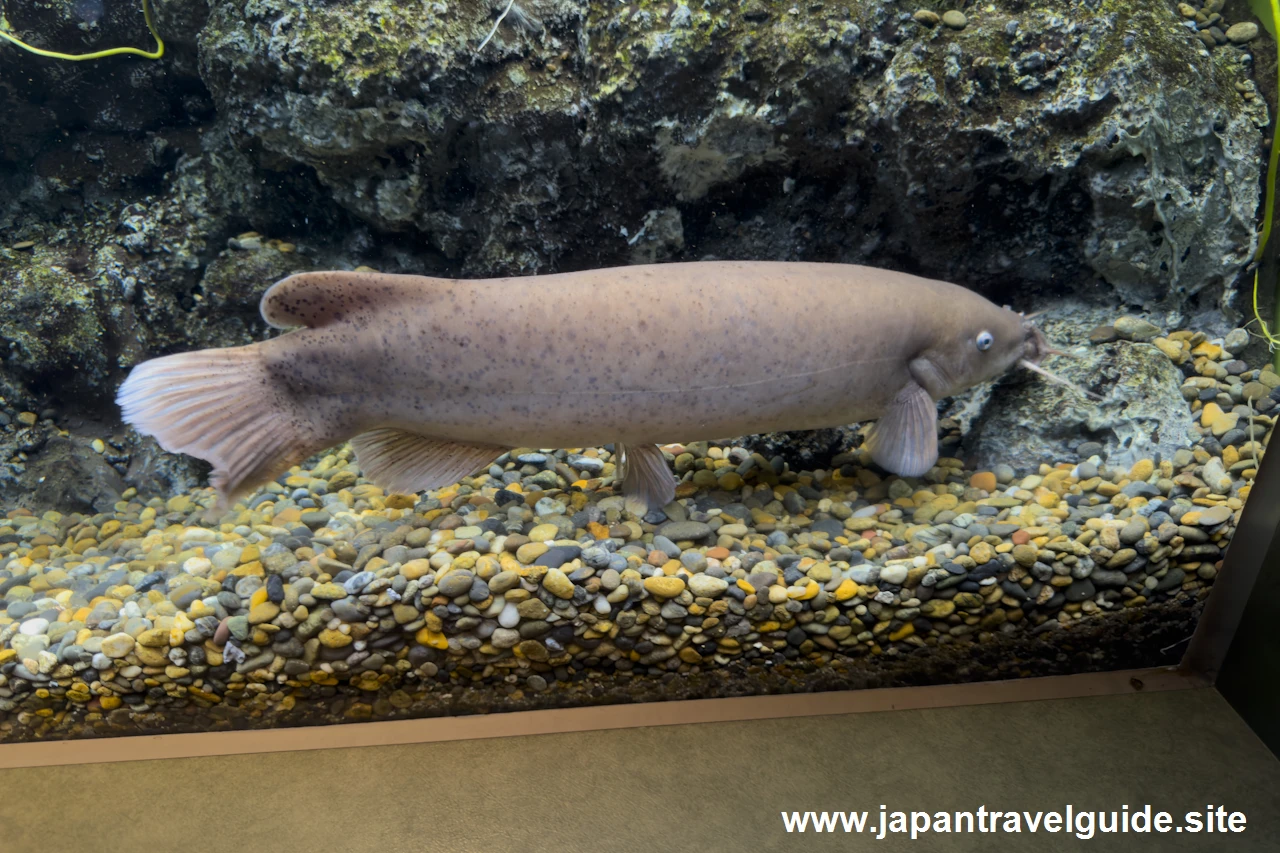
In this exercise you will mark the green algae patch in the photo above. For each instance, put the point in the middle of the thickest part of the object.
(49, 319)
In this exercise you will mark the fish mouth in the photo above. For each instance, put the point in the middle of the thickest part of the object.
(1035, 348)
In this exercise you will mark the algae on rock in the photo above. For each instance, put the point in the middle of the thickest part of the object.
(1038, 148)
(49, 318)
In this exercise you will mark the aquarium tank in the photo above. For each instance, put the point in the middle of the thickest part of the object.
(681, 459)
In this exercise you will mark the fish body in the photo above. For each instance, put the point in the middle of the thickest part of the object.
(432, 378)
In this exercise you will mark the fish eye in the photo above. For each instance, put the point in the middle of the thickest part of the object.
(984, 341)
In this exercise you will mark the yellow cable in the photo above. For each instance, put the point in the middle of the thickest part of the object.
(99, 54)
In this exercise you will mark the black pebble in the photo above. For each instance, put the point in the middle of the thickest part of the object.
(275, 589)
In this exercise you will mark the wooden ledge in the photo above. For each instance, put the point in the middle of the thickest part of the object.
(346, 735)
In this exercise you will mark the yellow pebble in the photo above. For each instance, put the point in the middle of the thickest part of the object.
(415, 569)
(434, 639)
(1207, 350)
(1172, 349)
(847, 590)
(334, 639)
(543, 533)
(264, 612)
(253, 569)
(805, 592)
(287, 516)
(665, 587)
(1142, 470)
(1225, 423)
(902, 633)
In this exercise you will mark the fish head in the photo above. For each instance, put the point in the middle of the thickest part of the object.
(976, 346)
(982, 344)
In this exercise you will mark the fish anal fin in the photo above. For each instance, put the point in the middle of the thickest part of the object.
(406, 463)
(316, 299)
(647, 481)
(905, 439)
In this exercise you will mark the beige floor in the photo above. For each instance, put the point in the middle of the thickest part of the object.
(710, 787)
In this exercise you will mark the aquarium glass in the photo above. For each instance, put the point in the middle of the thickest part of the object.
(554, 409)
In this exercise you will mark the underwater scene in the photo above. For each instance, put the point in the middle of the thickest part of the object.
(370, 360)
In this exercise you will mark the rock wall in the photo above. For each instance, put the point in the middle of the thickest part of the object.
(1044, 146)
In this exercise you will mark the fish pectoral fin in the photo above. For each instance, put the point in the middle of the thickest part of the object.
(905, 439)
(647, 482)
(406, 463)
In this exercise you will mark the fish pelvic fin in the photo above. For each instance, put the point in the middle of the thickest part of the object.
(647, 482)
(406, 463)
(905, 439)
(221, 406)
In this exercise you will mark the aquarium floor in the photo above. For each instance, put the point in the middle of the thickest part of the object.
(706, 787)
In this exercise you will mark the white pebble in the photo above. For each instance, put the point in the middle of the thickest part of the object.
(32, 627)
(706, 586)
(894, 574)
(509, 617)
(602, 605)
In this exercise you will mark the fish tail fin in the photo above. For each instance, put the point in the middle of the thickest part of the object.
(219, 405)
